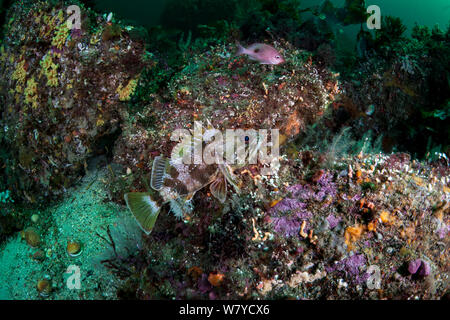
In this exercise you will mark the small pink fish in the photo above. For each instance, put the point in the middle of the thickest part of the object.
(261, 52)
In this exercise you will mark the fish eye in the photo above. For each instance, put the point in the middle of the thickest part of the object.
(277, 57)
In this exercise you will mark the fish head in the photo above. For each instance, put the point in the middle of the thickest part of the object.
(270, 55)
(277, 59)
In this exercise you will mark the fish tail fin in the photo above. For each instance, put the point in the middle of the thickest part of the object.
(158, 172)
(144, 208)
(240, 49)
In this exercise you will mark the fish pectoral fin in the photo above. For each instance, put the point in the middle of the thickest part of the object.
(180, 207)
(158, 172)
(218, 188)
(143, 208)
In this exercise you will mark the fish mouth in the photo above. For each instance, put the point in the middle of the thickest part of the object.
(280, 61)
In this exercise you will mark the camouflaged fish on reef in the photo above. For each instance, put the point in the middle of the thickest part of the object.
(176, 182)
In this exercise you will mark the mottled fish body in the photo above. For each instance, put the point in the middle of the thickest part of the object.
(176, 183)
(182, 180)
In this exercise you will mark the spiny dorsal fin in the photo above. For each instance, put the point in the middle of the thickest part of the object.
(158, 172)
(143, 208)
(218, 188)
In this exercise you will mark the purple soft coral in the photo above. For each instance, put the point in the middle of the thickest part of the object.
(326, 187)
(351, 267)
(333, 221)
(288, 215)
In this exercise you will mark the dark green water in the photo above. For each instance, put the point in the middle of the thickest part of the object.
(148, 13)
(410, 11)
(144, 12)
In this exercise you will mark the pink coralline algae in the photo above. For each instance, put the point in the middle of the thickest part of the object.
(325, 187)
(414, 266)
(288, 214)
(397, 160)
(333, 221)
(289, 224)
(352, 264)
(288, 205)
(352, 267)
(222, 81)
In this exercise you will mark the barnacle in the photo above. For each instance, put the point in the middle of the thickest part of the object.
(44, 287)
(73, 248)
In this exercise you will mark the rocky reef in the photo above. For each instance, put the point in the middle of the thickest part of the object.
(347, 215)
(312, 232)
(62, 92)
(227, 92)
